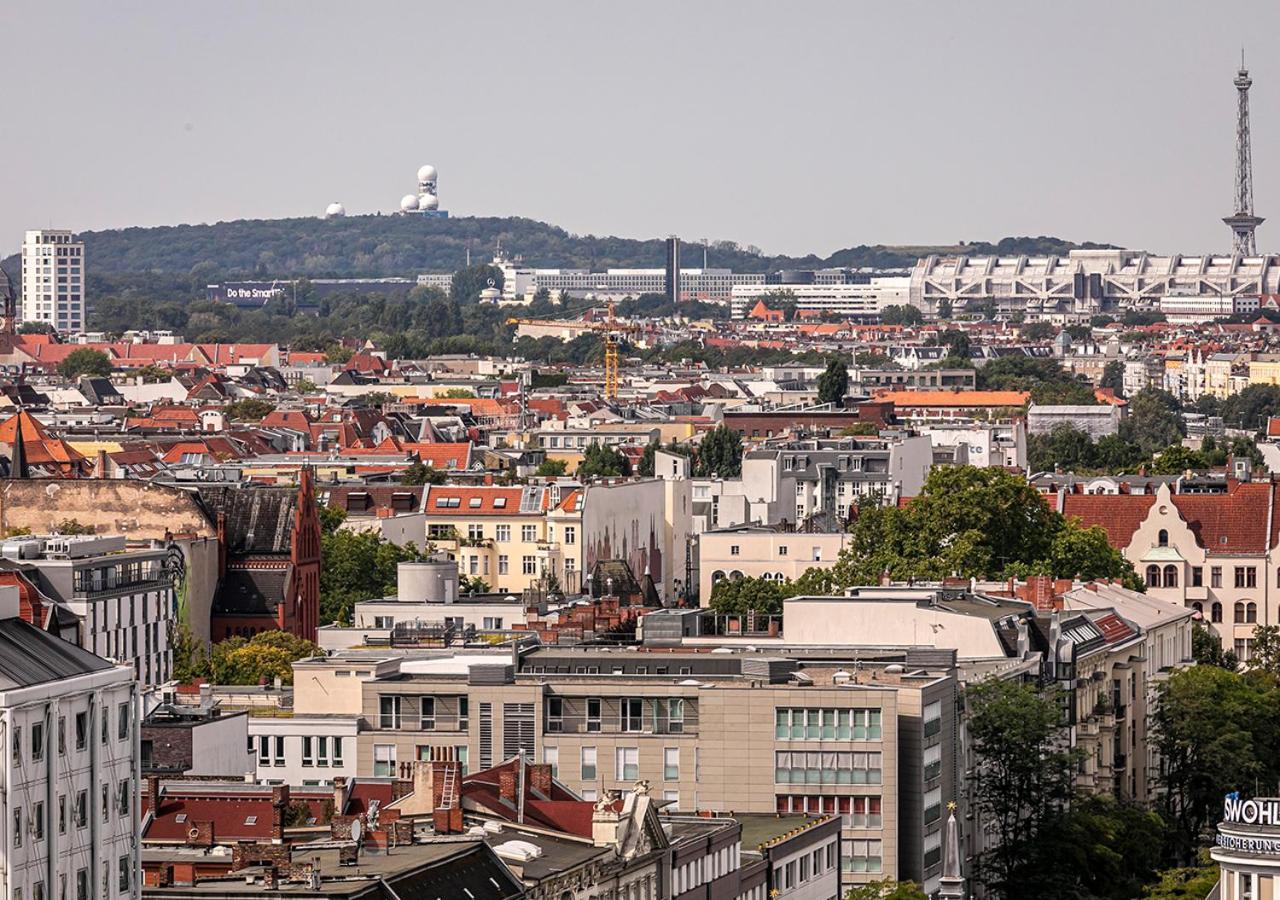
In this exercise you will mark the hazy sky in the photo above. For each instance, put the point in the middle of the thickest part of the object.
(791, 125)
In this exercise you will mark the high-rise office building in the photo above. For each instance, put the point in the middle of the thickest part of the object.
(673, 269)
(53, 280)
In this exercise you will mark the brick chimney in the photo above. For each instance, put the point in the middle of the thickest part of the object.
(153, 793)
(507, 784)
(540, 778)
(1040, 592)
(279, 805)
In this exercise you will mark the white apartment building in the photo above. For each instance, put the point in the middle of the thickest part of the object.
(121, 600)
(53, 280)
(862, 301)
(70, 789)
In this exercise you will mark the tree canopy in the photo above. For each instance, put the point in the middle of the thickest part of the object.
(833, 384)
(267, 655)
(357, 566)
(599, 460)
(719, 453)
(85, 361)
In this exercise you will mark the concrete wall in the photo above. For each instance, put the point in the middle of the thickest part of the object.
(219, 746)
(627, 521)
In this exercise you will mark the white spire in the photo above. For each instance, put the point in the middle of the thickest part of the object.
(951, 885)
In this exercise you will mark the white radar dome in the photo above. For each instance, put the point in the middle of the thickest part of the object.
(409, 202)
(334, 210)
(428, 201)
(427, 174)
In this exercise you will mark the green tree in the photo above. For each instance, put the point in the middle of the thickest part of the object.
(1113, 377)
(1206, 649)
(956, 342)
(85, 361)
(468, 283)
(250, 409)
(738, 596)
(901, 315)
(601, 461)
(190, 659)
(719, 453)
(1187, 883)
(551, 468)
(267, 655)
(419, 472)
(1024, 780)
(472, 584)
(1153, 422)
(833, 384)
(1096, 848)
(358, 566)
(886, 890)
(1216, 731)
(1036, 331)
(1251, 407)
(1266, 650)
(456, 394)
(944, 309)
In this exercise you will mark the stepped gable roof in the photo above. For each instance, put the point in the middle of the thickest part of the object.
(1118, 514)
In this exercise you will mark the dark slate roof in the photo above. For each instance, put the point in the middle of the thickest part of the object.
(250, 592)
(259, 519)
(476, 872)
(30, 656)
(100, 391)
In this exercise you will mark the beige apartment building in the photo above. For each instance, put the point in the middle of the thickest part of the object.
(759, 551)
(872, 741)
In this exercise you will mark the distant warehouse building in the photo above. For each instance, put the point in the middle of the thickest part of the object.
(1085, 282)
(1096, 421)
(1192, 309)
(852, 301)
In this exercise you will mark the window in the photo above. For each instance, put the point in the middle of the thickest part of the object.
(62, 735)
(528, 565)
(37, 741)
(1162, 539)
(551, 757)
(782, 550)
(1251, 613)
(1215, 576)
(308, 750)
(387, 622)
(1153, 576)
(502, 532)
(475, 532)
(570, 534)
(631, 717)
(863, 856)
(1239, 612)
(555, 714)
(933, 806)
(464, 713)
(106, 802)
(675, 713)
(279, 754)
(122, 797)
(627, 764)
(428, 714)
(1171, 576)
(264, 754)
(82, 884)
(1246, 576)
(827, 768)
(588, 764)
(124, 715)
(504, 564)
(671, 764)
(1215, 613)
(932, 718)
(389, 711)
(124, 869)
(735, 550)
(82, 730)
(17, 826)
(337, 750)
(833, 724)
(384, 760)
(62, 814)
(17, 745)
(528, 533)
(593, 714)
(1197, 576)
(492, 623)
(322, 751)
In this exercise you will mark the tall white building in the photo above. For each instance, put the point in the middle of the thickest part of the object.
(69, 789)
(53, 280)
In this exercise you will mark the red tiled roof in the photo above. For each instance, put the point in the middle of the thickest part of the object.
(1114, 629)
(474, 501)
(1228, 523)
(1119, 514)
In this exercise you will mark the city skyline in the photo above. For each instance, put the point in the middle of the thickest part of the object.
(265, 114)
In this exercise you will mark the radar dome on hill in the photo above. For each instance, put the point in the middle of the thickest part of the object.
(427, 175)
(335, 210)
(428, 201)
(409, 202)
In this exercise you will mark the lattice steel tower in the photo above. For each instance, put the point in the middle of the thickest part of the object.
(1243, 222)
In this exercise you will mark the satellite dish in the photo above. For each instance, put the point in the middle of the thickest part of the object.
(357, 830)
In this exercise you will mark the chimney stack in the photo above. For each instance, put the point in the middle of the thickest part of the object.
(507, 785)
(279, 804)
(153, 792)
(540, 779)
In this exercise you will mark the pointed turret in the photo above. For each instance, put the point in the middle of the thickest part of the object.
(951, 885)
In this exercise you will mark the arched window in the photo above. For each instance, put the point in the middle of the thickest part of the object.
(1251, 613)
(1170, 576)
(717, 576)
(1163, 538)
(1239, 612)
(1215, 612)
(1198, 607)
(1153, 576)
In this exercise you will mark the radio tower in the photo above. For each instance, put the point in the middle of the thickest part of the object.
(1243, 222)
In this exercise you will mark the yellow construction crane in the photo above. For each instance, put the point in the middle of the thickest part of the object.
(612, 331)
